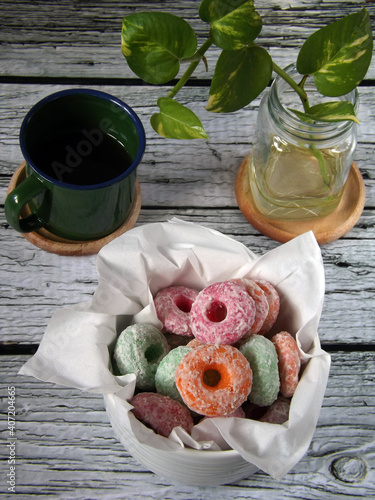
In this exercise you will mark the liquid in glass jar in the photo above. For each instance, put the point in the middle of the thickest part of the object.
(298, 170)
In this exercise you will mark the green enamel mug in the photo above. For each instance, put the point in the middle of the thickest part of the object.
(81, 148)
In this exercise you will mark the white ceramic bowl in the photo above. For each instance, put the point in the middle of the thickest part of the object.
(131, 269)
(187, 466)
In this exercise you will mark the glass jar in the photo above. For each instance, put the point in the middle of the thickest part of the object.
(299, 169)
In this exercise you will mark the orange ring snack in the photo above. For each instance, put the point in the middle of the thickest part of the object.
(194, 343)
(273, 299)
(289, 362)
(214, 380)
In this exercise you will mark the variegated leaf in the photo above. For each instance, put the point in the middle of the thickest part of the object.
(176, 121)
(240, 76)
(154, 43)
(335, 111)
(339, 54)
(234, 24)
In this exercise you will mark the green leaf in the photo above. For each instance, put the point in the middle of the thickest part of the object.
(154, 44)
(339, 54)
(176, 121)
(335, 111)
(234, 24)
(240, 76)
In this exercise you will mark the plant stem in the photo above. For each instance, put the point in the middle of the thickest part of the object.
(300, 91)
(185, 77)
(299, 88)
(322, 164)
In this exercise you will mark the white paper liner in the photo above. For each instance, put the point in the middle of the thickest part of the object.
(76, 348)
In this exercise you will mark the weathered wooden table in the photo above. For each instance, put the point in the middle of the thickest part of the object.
(65, 447)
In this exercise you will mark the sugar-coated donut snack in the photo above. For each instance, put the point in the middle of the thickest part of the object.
(218, 354)
(222, 313)
(239, 413)
(278, 412)
(214, 379)
(161, 413)
(173, 306)
(273, 299)
(166, 371)
(262, 357)
(289, 362)
(261, 304)
(194, 343)
(139, 350)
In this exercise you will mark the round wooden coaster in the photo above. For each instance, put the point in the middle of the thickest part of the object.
(326, 229)
(52, 243)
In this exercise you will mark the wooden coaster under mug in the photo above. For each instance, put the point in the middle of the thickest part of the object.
(47, 241)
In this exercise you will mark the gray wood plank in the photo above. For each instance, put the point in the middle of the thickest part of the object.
(196, 173)
(175, 181)
(63, 436)
(65, 445)
(34, 283)
(83, 39)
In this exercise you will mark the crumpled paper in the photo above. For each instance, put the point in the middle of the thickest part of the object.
(77, 345)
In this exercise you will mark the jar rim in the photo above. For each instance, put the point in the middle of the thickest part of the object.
(290, 123)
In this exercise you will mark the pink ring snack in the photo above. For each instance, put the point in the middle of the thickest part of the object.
(278, 412)
(253, 411)
(261, 304)
(273, 302)
(161, 413)
(139, 350)
(261, 354)
(222, 313)
(214, 380)
(289, 362)
(173, 306)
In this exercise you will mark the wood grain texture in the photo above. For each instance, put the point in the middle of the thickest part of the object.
(64, 436)
(65, 445)
(85, 36)
(39, 283)
(51, 243)
(193, 180)
(172, 172)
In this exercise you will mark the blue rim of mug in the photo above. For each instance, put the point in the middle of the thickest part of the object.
(95, 93)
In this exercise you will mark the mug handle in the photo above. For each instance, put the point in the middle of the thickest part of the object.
(17, 199)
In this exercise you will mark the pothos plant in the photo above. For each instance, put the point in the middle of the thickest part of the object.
(155, 44)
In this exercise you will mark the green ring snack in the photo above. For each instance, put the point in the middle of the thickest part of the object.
(261, 354)
(139, 350)
(166, 371)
